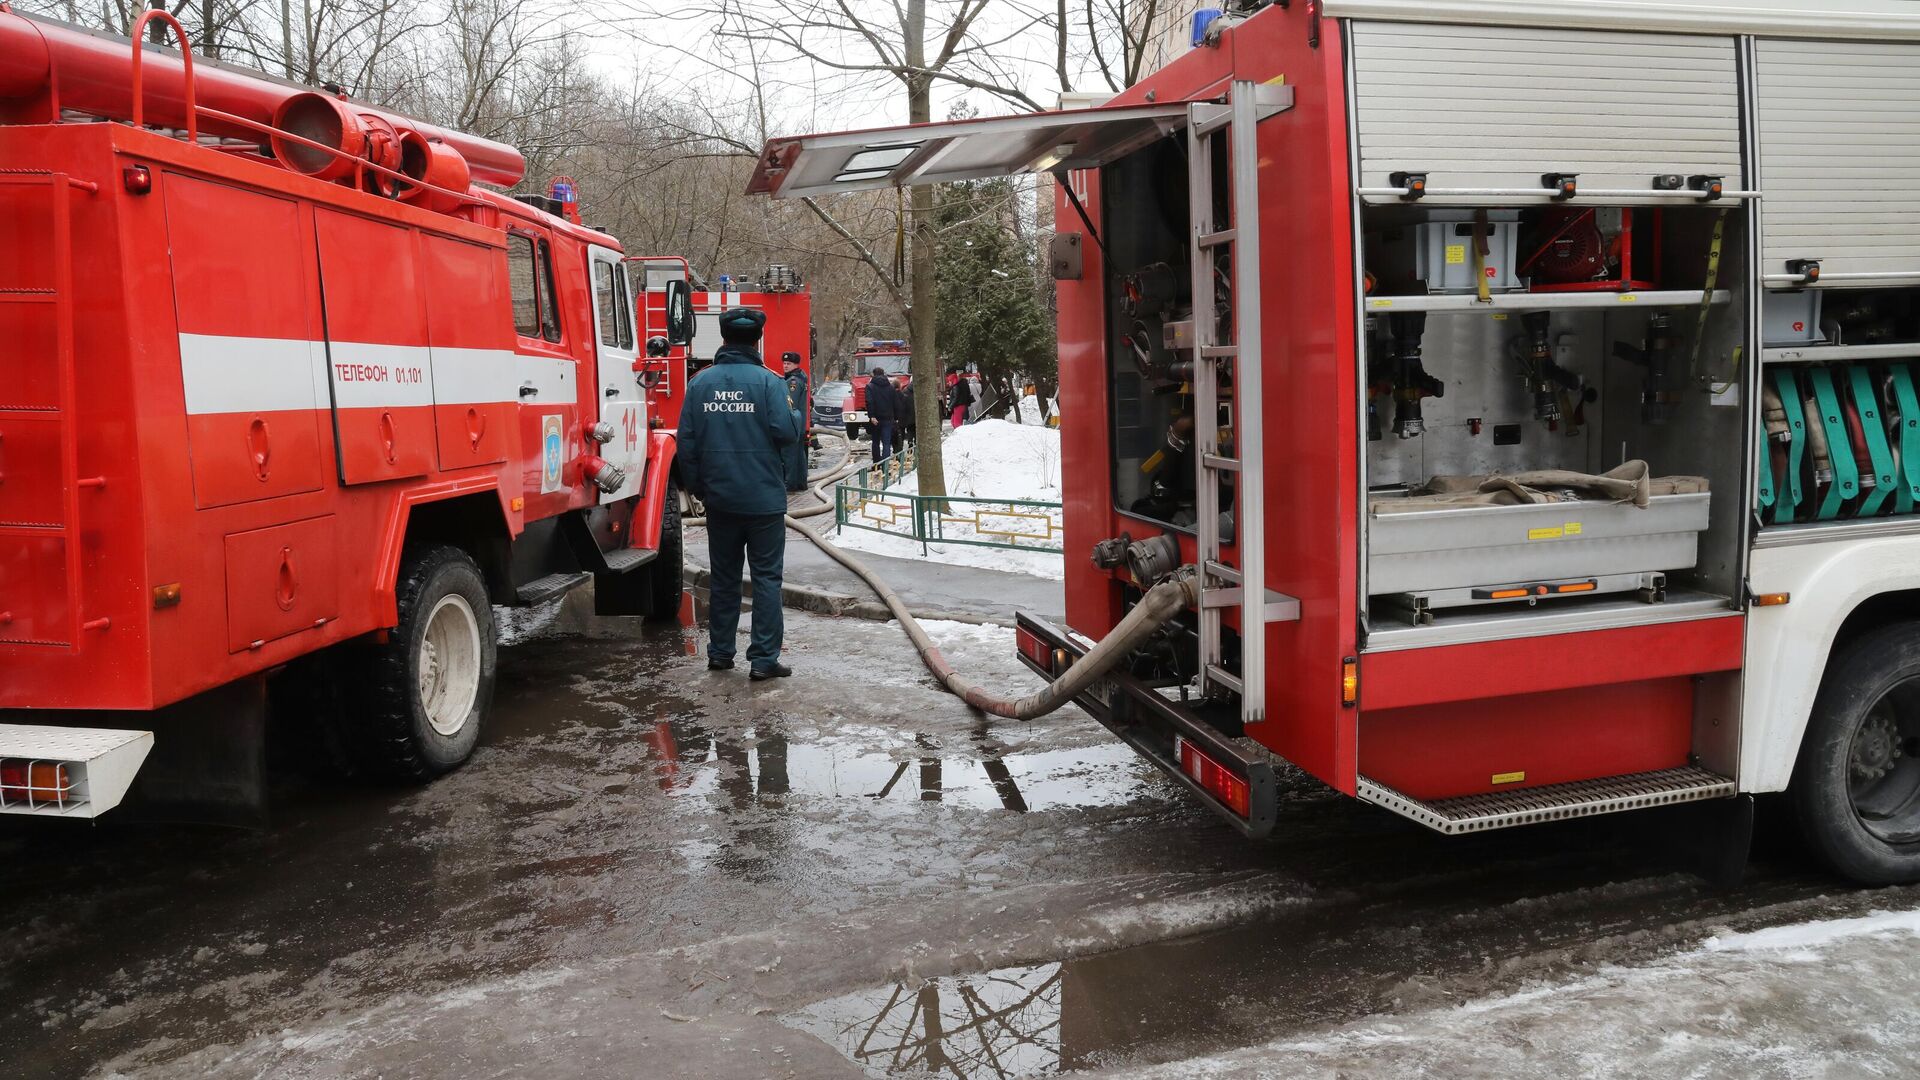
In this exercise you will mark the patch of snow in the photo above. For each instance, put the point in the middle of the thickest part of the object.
(1812, 935)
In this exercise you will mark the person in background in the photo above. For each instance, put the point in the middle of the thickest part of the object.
(797, 404)
(960, 396)
(909, 423)
(883, 412)
(734, 433)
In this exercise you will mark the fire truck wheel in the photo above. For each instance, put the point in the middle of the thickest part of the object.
(430, 683)
(664, 574)
(855, 433)
(1856, 786)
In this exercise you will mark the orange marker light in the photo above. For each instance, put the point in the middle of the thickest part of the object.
(518, 504)
(1506, 594)
(1578, 586)
(1349, 681)
(1771, 599)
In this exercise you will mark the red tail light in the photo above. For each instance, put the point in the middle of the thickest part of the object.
(34, 782)
(1033, 648)
(1215, 778)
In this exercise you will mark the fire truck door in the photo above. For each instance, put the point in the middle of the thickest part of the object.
(623, 404)
(377, 354)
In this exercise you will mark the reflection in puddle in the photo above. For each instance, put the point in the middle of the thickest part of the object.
(689, 760)
(1001, 1024)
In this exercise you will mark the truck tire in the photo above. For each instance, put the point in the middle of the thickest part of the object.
(425, 690)
(1856, 785)
(665, 573)
(854, 433)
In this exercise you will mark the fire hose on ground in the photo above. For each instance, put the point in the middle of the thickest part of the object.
(1162, 603)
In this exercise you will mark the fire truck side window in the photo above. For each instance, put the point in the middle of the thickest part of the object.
(549, 302)
(603, 299)
(623, 305)
(526, 310)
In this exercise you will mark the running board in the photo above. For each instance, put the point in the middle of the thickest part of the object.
(1555, 802)
(542, 589)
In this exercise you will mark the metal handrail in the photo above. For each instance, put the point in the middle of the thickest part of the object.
(186, 60)
(1548, 194)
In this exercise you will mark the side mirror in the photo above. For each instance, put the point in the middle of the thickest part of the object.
(679, 313)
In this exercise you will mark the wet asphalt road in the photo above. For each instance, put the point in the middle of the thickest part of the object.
(650, 871)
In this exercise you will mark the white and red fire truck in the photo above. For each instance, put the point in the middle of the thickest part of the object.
(287, 392)
(1529, 386)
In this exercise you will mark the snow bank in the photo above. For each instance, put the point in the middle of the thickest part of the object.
(992, 459)
(1820, 999)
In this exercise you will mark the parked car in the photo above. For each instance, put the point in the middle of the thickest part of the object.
(830, 404)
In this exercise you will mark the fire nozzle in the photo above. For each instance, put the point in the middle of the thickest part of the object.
(1546, 380)
(1410, 380)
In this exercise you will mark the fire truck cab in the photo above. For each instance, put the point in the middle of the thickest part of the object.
(1528, 387)
(287, 393)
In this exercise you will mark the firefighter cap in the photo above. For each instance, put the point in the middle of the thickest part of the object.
(790, 357)
(741, 326)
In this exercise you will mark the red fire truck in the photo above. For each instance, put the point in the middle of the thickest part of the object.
(288, 393)
(1528, 388)
(892, 356)
(782, 297)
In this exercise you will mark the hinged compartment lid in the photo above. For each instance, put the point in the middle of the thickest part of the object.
(972, 149)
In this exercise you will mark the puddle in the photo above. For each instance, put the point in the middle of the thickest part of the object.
(1004, 1023)
(691, 761)
(1439, 939)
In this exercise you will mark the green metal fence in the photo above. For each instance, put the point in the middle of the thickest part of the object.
(863, 501)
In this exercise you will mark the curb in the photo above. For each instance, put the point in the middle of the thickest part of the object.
(820, 602)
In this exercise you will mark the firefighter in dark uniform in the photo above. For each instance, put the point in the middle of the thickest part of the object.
(797, 404)
(735, 432)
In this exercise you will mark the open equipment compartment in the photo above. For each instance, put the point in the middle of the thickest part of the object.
(1554, 287)
(1614, 349)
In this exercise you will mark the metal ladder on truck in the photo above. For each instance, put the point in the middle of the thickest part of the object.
(1226, 258)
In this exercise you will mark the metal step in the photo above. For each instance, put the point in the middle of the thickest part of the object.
(619, 562)
(1555, 802)
(541, 590)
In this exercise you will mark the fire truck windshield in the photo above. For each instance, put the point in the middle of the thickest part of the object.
(891, 363)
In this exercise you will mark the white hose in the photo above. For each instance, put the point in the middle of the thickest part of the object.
(1163, 603)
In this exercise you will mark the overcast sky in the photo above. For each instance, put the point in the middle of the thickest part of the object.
(674, 49)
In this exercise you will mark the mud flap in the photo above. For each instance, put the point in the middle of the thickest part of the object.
(209, 760)
(1710, 839)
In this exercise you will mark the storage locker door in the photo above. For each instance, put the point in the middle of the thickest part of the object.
(1498, 107)
(376, 348)
(1839, 142)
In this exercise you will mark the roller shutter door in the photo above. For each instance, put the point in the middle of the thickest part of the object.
(1839, 145)
(1491, 106)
